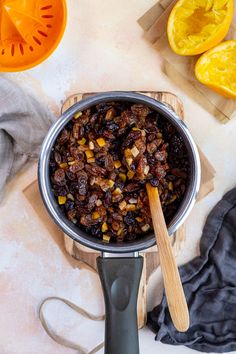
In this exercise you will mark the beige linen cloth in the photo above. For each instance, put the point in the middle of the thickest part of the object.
(24, 123)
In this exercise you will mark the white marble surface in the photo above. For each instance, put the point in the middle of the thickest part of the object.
(103, 49)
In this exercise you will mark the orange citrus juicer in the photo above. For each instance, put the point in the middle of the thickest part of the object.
(30, 30)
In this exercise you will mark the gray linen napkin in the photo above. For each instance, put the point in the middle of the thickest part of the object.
(209, 283)
(24, 123)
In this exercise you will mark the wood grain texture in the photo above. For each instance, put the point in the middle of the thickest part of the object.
(173, 287)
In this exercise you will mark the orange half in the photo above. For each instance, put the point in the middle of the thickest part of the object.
(217, 69)
(194, 26)
(30, 30)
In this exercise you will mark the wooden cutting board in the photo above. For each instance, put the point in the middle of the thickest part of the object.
(151, 258)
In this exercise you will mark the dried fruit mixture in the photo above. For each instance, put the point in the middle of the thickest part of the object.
(101, 162)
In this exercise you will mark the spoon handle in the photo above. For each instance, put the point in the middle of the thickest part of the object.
(173, 287)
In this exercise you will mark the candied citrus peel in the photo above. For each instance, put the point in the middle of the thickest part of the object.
(95, 215)
(106, 238)
(63, 165)
(101, 142)
(122, 177)
(61, 199)
(89, 154)
(82, 141)
(104, 227)
(77, 115)
(117, 164)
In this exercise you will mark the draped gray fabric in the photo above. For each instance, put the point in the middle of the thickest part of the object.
(210, 286)
(24, 123)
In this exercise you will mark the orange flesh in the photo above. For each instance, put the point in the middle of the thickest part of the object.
(197, 25)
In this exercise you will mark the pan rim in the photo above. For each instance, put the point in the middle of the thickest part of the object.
(44, 183)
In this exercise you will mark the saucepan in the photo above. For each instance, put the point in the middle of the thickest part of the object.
(119, 265)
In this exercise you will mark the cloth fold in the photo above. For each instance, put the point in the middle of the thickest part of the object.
(209, 283)
(24, 123)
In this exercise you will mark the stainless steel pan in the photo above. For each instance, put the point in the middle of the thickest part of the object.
(119, 266)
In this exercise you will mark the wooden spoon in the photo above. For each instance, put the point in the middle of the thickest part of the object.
(173, 287)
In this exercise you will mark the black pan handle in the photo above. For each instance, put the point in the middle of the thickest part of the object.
(120, 279)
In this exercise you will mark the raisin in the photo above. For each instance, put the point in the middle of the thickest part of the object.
(115, 225)
(117, 217)
(141, 145)
(82, 190)
(71, 214)
(135, 134)
(179, 173)
(84, 118)
(78, 131)
(63, 137)
(60, 191)
(102, 211)
(73, 187)
(132, 136)
(107, 134)
(129, 219)
(77, 154)
(70, 175)
(102, 107)
(154, 182)
(131, 237)
(92, 199)
(76, 167)
(177, 147)
(69, 205)
(142, 164)
(120, 184)
(57, 157)
(112, 127)
(117, 198)
(82, 179)
(87, 220)
(127, 118)
(110, 114)
(108, 163)
(95, 231)
(151, 147)
(160, 171)
(151, 160)
(140, 110)
(60, 177)
(112, 175)
(108, 198)
(132, 187)
(161, 155)
(95, 170)
(151, 137)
